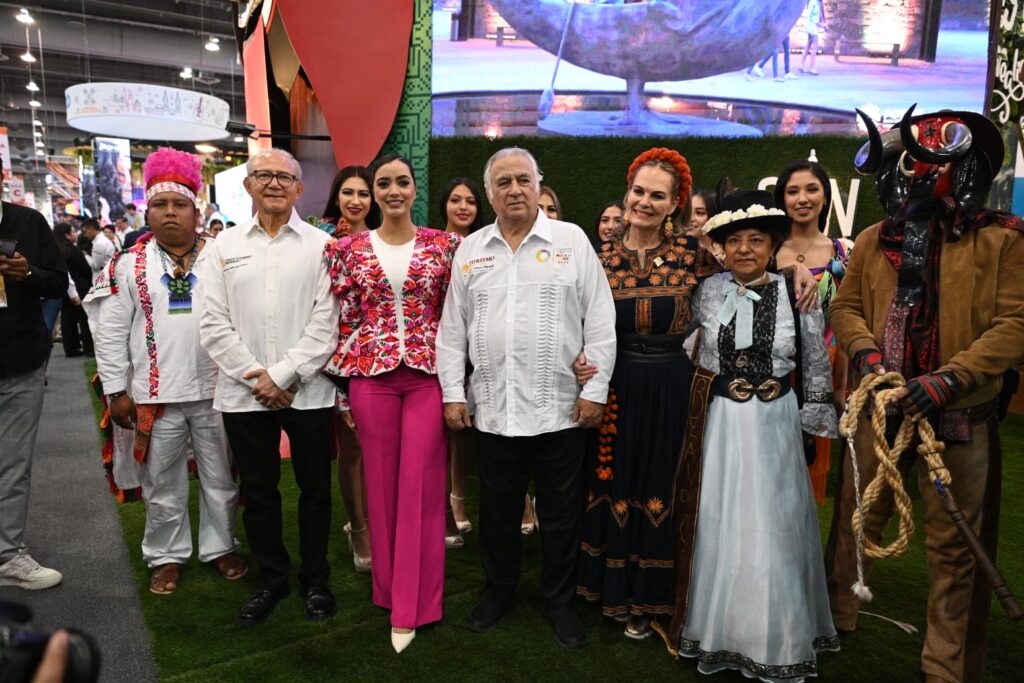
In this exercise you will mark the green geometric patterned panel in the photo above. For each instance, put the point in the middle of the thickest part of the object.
(410, 134)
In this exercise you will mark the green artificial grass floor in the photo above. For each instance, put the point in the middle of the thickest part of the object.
(194, 637)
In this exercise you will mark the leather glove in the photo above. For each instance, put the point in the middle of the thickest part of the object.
(929, 393)
(865, 361)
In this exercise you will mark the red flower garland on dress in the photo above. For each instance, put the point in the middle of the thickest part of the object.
(674, 159)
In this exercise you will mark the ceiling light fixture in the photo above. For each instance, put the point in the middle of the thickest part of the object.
(34, 103)
(186, 73)
(24, 17)
(28, 57)
(213, 44)
(36, 122)
(32, 87)
(206, 148)
(37, 133)
(40, 143)
(40, 152)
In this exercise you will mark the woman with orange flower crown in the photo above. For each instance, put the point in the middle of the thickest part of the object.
(627, 549)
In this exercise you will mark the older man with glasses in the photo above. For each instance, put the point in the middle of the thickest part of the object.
(270, 323)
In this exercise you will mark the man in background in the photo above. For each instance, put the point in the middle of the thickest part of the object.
(31, 269)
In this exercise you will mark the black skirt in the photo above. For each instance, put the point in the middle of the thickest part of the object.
(627, 550)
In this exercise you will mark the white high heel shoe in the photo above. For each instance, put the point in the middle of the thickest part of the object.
(362, 564)
(465, 526)
(400, 641)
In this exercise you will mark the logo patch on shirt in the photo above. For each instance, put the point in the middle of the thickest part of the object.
(543, 255)
(563, 256)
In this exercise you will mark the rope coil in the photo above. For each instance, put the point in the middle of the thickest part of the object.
(888, 475)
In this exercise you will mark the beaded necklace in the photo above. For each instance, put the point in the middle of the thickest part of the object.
(181, 283)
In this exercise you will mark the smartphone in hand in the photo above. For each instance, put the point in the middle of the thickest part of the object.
(7, 248)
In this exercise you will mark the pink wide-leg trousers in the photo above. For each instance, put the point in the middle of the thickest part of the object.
(401, 429)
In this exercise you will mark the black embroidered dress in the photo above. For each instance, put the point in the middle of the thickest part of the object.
(627, 552)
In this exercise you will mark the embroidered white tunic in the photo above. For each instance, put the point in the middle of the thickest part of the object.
(166, 365)
(521, 318)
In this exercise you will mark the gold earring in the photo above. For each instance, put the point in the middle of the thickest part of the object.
(668, 228)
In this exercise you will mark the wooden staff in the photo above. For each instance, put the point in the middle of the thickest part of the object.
(992, 573)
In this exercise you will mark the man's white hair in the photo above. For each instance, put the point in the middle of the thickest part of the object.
(278, 152)
(507, 152)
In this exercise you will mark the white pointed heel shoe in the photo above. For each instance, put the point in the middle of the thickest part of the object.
(400, 641)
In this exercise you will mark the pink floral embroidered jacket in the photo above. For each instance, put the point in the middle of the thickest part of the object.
(368, 335)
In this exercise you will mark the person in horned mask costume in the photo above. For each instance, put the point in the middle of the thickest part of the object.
(934, 292)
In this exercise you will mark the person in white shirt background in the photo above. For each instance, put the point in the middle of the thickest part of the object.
(102, 248)
(160, 382)
(270, 322)
(527, 295)
(136, 220)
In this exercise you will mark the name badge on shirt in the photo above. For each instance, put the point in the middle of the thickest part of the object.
(563, 256)
(234, 262)
(478, 265)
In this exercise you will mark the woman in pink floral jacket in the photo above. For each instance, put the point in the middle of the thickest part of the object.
(391, 283)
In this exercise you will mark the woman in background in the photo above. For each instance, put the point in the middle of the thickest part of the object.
(804, 190)
(461, 210)
(703, 206)
(351, 210)
(549, 203)
(609, 224)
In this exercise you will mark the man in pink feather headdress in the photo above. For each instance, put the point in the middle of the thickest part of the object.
(159, 381)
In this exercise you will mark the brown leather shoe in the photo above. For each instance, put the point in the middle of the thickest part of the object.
(231, 566)
(165, 579)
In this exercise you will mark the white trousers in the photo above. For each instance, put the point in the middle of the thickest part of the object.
(165, 486)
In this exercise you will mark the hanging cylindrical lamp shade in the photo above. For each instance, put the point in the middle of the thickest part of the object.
(141, 111)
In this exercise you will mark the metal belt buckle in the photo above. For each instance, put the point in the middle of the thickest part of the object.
(769, 390)
(740, 390)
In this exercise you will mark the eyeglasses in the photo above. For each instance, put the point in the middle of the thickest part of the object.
(264, 178)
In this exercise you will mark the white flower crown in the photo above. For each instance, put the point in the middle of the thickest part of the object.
(752, 211)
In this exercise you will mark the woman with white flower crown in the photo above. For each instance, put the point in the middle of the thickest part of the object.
(750, 590)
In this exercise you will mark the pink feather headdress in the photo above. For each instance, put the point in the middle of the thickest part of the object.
(168, 170)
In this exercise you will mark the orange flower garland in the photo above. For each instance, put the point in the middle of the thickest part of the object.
(606, 440)
(674, 159)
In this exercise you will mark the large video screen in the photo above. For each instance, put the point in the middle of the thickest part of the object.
(737, 68)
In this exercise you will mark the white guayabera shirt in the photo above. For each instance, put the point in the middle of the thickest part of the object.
(521, 318)
(267, 303)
